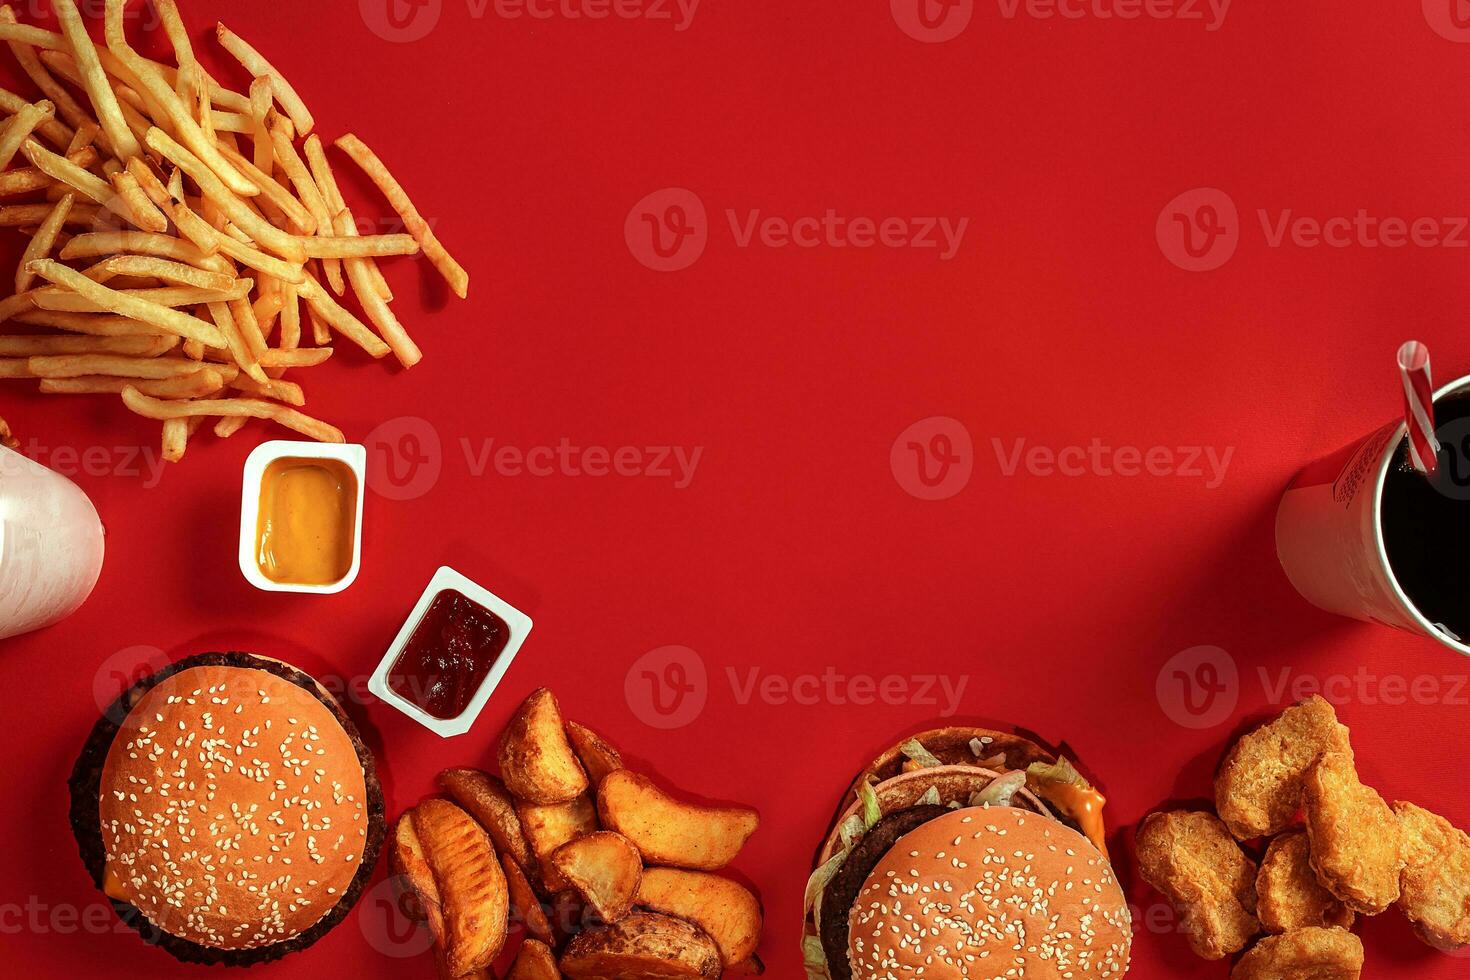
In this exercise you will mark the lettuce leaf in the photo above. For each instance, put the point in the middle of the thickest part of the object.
(852, 830)
(1063, 772)
(872, 811)
(931, 798)
(820, 879)
(920, 755)
(1001, 791)
(815, 958)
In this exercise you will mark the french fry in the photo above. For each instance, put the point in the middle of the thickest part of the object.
(180, 121)
(23, 215)
(94, 81)
(168, 297)
(227, 427)
(452, 271)
(44, 346)
(149, 182)
(137, 207)
(285, 392)
(91, 324)
(11, 368)
(206, 238)
(19, 128)
(204, 381)
(233, 407)
(326, 182)
(178, 34)
(244, 315)
(261, 101)
(53, 130)
(301, 357)
(175, 439)
(61, 169)
(30, 179)
(13, 306)
(42, 242)
(272, 191)
(256, 64)
(30, 62)
(359, 273)
(105, 243)
(355, 247)
(168, 271)
(80, 365)
(170, 320)
(340, 320)
(252, 224)
(290, 317)
(236, 342)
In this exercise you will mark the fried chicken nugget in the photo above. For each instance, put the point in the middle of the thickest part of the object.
(1259, 789)
(1192, 859)
(1288, 895)
(1303, 954)
(1436, 878)
(1357, 844)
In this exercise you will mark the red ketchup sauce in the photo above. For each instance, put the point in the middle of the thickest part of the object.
(449, 655)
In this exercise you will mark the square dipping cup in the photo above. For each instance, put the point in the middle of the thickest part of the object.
(519, 626)
(267, 453)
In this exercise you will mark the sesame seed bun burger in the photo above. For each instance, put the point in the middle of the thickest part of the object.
(967, 853)
(229, 809)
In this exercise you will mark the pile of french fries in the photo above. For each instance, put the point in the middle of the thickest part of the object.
(182, 227)
(607, 876)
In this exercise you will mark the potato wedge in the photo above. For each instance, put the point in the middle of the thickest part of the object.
(667, 832)
(441, 965)
(536, 760)
(605, 869)
(598, 756)
(472, 888)
(569, 916)
(421, 894)
(724, 909)
(535, 961)
(549, 827)
(642, 946)
(489, 802)
(525, 904)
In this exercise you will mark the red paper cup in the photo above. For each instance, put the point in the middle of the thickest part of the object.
(1329, 534)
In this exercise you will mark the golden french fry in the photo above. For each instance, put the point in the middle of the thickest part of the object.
(244, 315)
(94, 80)
(301, 357)
(235, 341)
(204, 381)
(286, 392)
(169, 297)
(149, 182)
(91, 324)
(45, 346)
(290, 317)
(210, 241)
(25, 215)
(273, 192)
(178, 34)
(170, 320)
(138, 208)
(175, 439)
(168, 271)
(43, 241)
(233, 407)
(452, 271)
(80, 365)
(258, 67)
(30, 62)
(11, 368)
(30, 179)
(61, 169)
(19, 129)
(359, 273)
(355, 247)
(56, 132)
(13, 306)
(326, 182)
(332, 313)
(104, 243)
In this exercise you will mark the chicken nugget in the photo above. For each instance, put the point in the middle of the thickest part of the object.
(1194, 861)
(1259, 789)
(1303, 954)
(1436, 878)
(1288, 895)
(1357, 845)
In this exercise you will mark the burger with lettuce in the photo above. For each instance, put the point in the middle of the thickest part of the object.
(967, 853)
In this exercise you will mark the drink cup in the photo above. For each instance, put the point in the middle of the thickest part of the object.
(1362, 534)
(51, 546)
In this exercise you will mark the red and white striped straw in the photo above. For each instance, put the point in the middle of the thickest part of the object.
(1419, 407)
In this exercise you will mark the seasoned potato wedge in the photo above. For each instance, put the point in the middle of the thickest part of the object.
(536, 760)
(642, 946)
(441, 964)
(724, 909)
(472, 888)
(598, 756)
(489, 802)
(535, 961)
(569, 916)
(667, 832)
(605, 869)
(406, 859)
(549, 827)
(525, 904)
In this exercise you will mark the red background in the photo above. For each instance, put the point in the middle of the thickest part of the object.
(795, 549)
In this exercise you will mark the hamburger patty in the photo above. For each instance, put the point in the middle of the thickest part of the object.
(844, 887)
